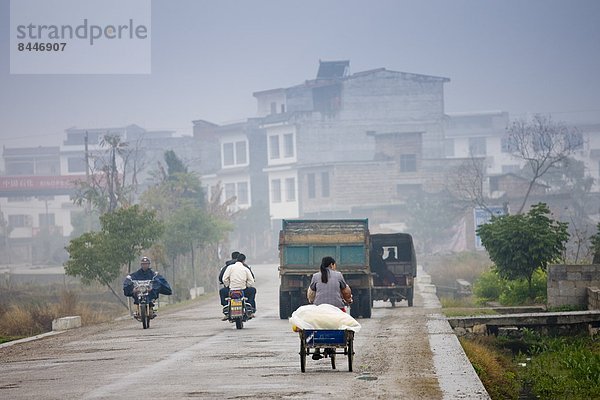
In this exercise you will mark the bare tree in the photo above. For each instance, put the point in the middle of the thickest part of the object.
(108, 185)
(542, 144)
(467, 182)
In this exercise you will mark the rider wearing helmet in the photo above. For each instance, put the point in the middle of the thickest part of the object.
(146, 273)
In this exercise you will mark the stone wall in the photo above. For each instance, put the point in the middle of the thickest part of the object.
(568, 284)
(593, 295)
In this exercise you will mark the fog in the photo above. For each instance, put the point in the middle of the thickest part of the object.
(208, 57)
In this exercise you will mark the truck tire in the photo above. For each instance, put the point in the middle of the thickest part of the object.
(365, 304)
(355, 306)
(295, 301)
(411, 292)
(285, 307)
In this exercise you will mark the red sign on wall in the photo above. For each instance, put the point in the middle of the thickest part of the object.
(37, 183)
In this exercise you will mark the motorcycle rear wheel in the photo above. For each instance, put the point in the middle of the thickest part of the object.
(239, 324)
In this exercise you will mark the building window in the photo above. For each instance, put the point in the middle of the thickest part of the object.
(575, 140)
(281, 146)
(449, 147)
(274, 147)
(508, 145)
(18, 199)
(310, 179)
(76, 164)
(229, 190)
(506, 169)
(273, 108)
(276, 191)
(19, 221)
(325, 184)
(282, 108)
(477, 146)
(240, 153)
(290, 189)
(46, 220)
(288, 145)
(408, 162)
(235, 153)
(19, 168)
(242, 192)
(408, 189)
(493, 185)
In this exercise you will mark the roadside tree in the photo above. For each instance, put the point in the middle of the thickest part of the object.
(523, 243)
(99, 256)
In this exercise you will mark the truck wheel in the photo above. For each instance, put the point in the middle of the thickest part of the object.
(284, 305)
(365, 304)
(410, 296)
(355, 307)
(295, 301)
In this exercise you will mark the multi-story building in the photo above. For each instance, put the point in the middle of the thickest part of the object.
(34, 203)
(357, 145)
(37, 185)
(342, 141)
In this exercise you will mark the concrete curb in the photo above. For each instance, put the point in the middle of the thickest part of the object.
(29, 339)
(456, 376)
(59, 325)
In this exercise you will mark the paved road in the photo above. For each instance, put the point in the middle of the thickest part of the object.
(401, 353)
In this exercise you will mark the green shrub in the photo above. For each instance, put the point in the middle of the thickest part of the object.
(488, 287)
(516, 292)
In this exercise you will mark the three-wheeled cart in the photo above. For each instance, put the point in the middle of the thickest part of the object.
(330, 343)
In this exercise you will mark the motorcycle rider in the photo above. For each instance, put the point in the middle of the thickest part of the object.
(145, 273)
(224, 291)
(238, 276)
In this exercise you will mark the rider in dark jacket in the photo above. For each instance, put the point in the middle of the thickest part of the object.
(145, 273)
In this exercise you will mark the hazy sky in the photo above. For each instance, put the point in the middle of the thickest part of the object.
(208, 57)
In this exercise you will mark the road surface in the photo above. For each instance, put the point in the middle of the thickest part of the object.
(401, 353)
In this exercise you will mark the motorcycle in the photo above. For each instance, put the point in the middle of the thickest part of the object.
(238, 309)
(141, 292)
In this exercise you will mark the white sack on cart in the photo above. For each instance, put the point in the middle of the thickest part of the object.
(324, 316)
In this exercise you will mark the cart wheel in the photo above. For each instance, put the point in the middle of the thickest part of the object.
(350, 353)
(302, 355)
(332, 356)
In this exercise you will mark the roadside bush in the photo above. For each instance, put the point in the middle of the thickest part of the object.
(488, 287)
(517, 292)
(28, 309)
(19, 321)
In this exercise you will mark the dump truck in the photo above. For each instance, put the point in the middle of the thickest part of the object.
(399, 258)
(302, 245)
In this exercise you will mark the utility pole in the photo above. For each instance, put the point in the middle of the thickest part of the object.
(88, 210)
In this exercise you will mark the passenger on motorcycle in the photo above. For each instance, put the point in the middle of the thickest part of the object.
(145, 273)
(238, 276)
(224, 291)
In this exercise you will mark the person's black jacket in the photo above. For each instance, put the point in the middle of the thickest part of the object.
(227, 264)
(160, 284)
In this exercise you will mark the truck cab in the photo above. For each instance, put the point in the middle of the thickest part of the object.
(399, 258)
